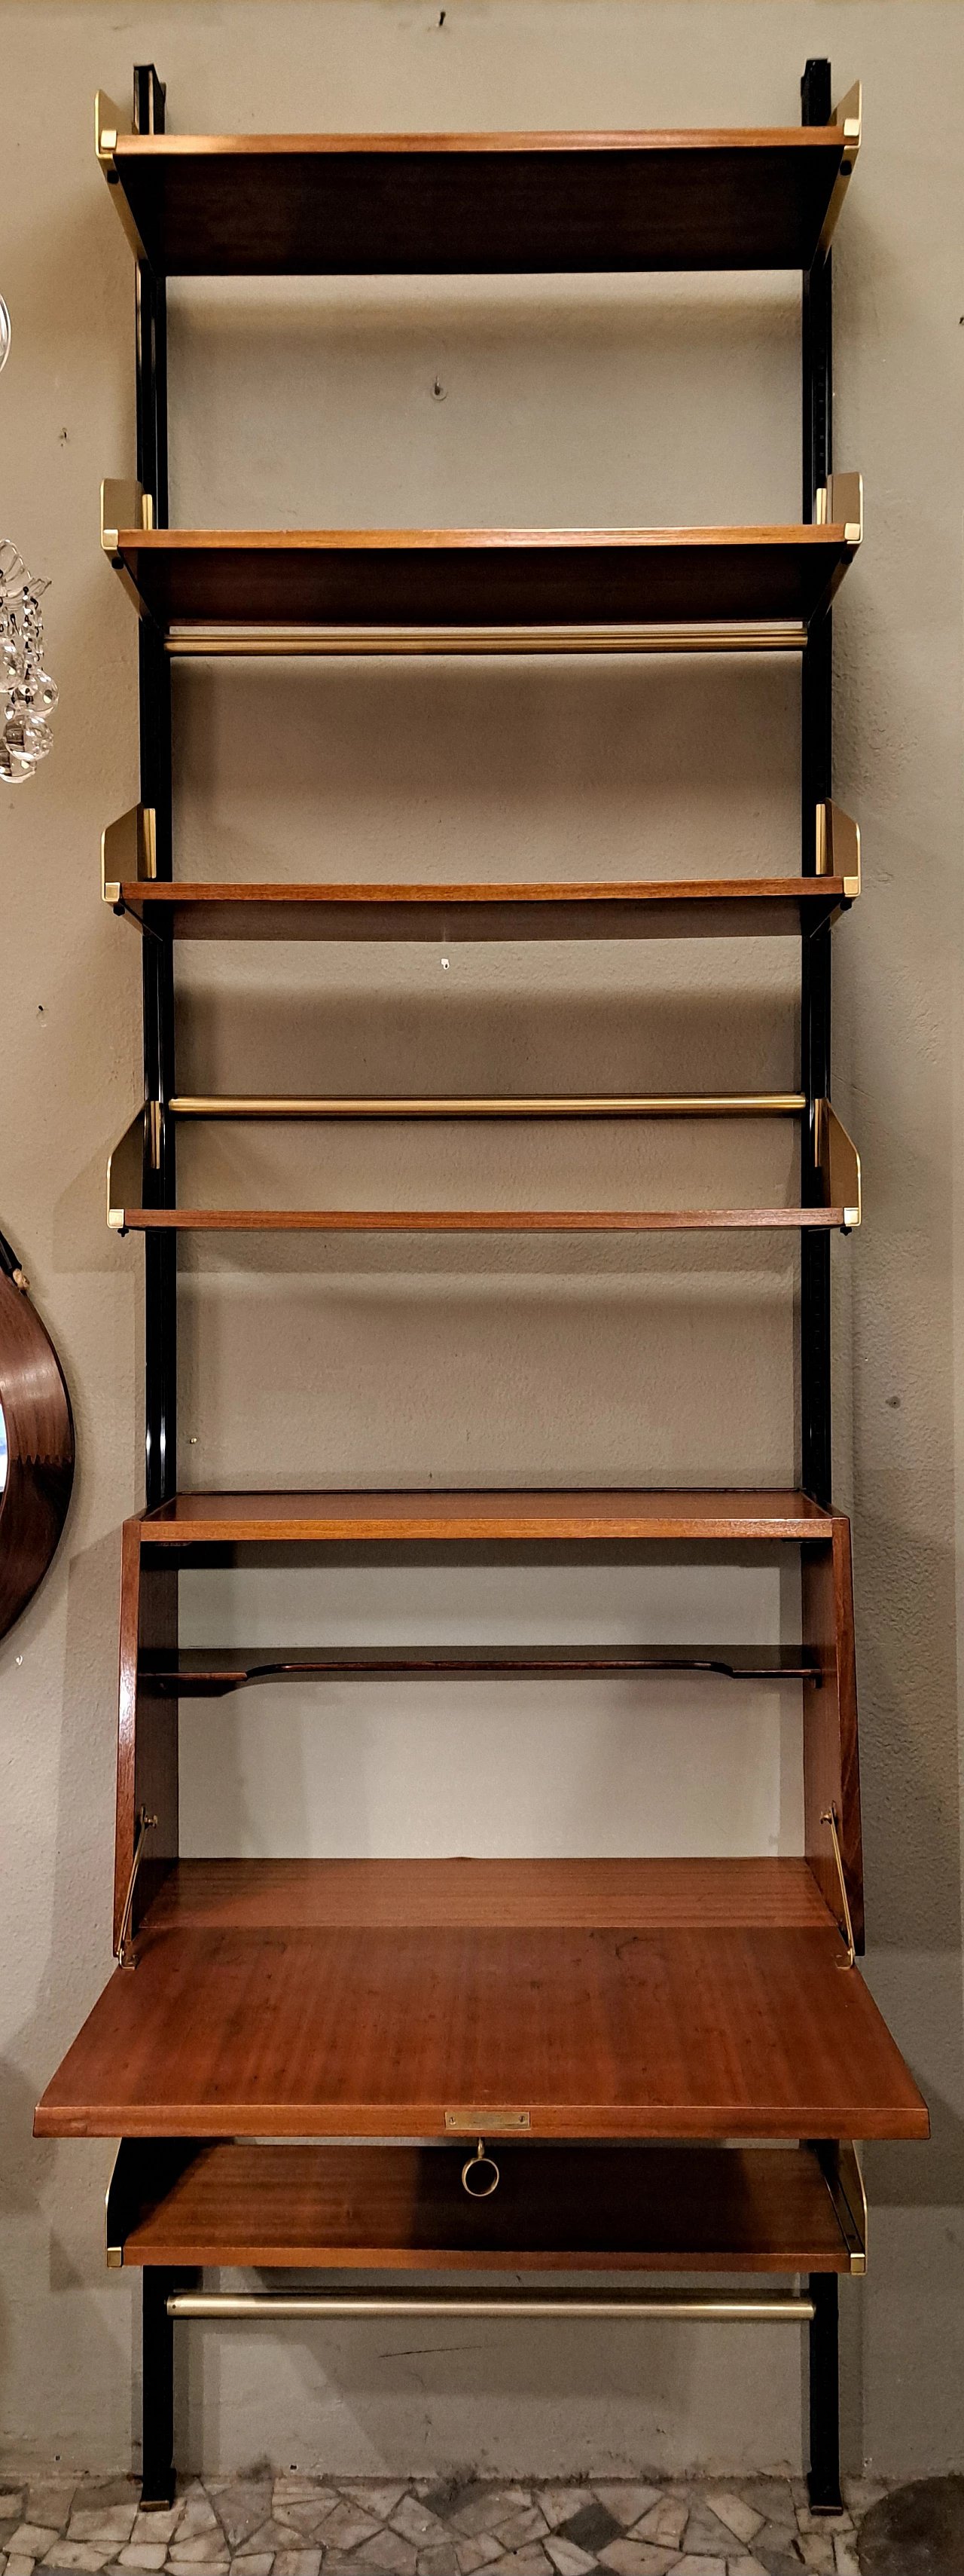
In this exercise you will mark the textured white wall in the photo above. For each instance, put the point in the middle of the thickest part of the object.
(314, 1361)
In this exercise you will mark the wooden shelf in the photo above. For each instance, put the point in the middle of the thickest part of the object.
(642, 908)
(486, 590)
(556, 2208)
(136, 1202)
(464, 204)
(202, 1672)
(730, 908)
(582, 1516)
(480, 1220)
(623, 1998)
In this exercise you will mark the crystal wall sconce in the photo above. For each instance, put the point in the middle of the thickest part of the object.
(28, 695)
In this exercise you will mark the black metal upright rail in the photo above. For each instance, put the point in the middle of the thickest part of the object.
(160, 1248)
(160, 1245)
(816, 748)
(816, 736)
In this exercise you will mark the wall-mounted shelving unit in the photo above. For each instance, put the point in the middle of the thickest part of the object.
(611, 2030)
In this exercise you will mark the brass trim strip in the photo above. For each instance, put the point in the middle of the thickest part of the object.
(231, 2304)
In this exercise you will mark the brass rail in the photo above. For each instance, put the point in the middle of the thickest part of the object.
(185, 643)
(254, 2304)
(735, 1104)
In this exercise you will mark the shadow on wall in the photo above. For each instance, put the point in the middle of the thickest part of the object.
(457, 770)
(539, 378)
(63, 2189)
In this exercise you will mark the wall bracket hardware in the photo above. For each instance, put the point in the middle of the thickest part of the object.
(128, 851)
(838, 848)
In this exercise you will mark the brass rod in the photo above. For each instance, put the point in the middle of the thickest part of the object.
(784, 636)
(230, 2304)
(738, 1104)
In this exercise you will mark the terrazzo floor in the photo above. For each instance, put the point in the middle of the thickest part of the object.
(302, 2526)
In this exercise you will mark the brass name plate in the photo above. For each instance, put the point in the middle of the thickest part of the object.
(487, 2122)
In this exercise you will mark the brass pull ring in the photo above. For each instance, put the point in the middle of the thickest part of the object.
(480, 2190)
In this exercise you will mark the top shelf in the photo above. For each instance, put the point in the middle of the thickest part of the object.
(584, 1515)
(358, 205)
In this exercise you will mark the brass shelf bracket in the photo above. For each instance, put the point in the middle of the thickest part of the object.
(840, 504)
(840, 2166)
(849, 114)
(838, 848)
(839, 1165)
(128, 852)
(125, 1953)
(829, 1817)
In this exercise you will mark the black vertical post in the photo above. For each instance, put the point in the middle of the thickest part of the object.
(816, 750)
(160, 1248)
(157, 2390)
(815, 785)
(823, 2483)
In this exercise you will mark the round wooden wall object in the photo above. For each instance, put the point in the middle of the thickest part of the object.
(40, 1444)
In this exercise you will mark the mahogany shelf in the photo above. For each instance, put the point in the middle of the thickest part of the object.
(596, 908)
(478, 1220)
(392, 1998)
(556, 2208)
(202, 1672)
(581, 1515)
(488, 589)
(463, 204)
(136, 1203)
(705, 908)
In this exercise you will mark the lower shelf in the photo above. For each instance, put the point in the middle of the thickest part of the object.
(578, 1999)
(554, 2209)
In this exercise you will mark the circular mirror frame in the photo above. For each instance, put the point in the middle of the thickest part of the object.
(40, 1444)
